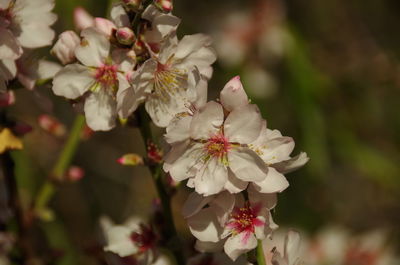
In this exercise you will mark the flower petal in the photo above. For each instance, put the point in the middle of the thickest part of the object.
(119, 16)
(211, 178)
(73, 81)
(178, 129)
(233, 95)
(243, 125)
(233, 184)
(222, 206)
(100, 111)
(93, 49)
(194, 203)
(207, 121)
(184, 166)
(274, 182)
(292, 164)
(239, 244)
(9, 46)
(247, 165)
(204, 226)
(202, 246)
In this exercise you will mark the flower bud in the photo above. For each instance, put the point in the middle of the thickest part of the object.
(133, 4)
(130, 160)
(64, 49)
(82, 19)
(154, 154)
(7, 98)
(104, 25)
(75, 173)
(51, 125)
(164, 5)
(125, 36)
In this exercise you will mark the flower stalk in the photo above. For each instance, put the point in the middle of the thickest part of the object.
(260, 253)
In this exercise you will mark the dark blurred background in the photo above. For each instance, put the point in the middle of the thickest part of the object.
(324, 72)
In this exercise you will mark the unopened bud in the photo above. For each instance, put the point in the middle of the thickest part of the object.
(64, 49)
(51, 125)
(133, 4)
(154, 154)
(125, 36)
(130, 160)
(164, 5)
(7, 98)
(82, 19)
(75, 173)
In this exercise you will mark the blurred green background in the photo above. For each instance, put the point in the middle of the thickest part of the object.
(323, 72)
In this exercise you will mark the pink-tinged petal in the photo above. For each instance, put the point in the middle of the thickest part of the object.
(142, 84)
(93, 49)
(9, 45)
(184, 166)
(207, 121)
(119, 16)
(258, 222)
(222, 205)
(274, 182)
(178, 129)
(211, 177)
(64, 49)
(292, 164)
(247, 165)
(233, 95)
(239, 244)
(105, 26)
(100, 111)
(73, 81)
(194, 203)
(202, 246)
(233, 184)
(82, 19)
(243, 125)
(204, 226)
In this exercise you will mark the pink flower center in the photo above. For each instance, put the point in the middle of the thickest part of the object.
(145, 239)
(217, 146)
(107, 75)
(244, 219)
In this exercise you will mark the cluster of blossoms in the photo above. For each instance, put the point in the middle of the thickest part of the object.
(223, 148)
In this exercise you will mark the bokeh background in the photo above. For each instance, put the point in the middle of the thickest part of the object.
(326, 73)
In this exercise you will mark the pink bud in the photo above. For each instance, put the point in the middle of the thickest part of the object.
(64, 49)
(7, 98)
(130, 160)
(52, 125)
(133, 4)
(125, 36)
(82, 19)
(75, 173)
(104, 25)
(164, 5)
(154, 154)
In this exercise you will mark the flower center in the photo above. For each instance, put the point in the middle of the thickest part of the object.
(244, 219)
(145, 239)
(169, 82)
(107, 75)
(217, 146)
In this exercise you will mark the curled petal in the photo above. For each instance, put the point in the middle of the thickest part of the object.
(233, 95)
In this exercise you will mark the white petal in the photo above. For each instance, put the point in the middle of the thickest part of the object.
(64, 49)
(192, 43)
(47, 69)
(197, 88)
(176, 151)
(93, 49)
(82, 19)
(243, 125)
(204, 226)
(222, 206)
(202, 246)
(119, 16)
(194, 203)
(247, 165)
(119, 242)
(35, 35)
(292, 164)
(268, 200)
(207, 121)
(184, 166)
(100, 111)
(125, 59)
(9, 45)
(238, 245)
(73, 81)
(8, 69)
(178, 129)
(274, 182)
(211, 178)
(233, 184)
(161, 24)
(233, 95)
(292, 246)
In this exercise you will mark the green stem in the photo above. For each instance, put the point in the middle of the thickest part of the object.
(170, 232)
(64, 160)
(260, 253)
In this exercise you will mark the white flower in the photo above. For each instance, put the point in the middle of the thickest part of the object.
(102, 72)
(230, 217)
(291, 250)
(25, 23)
(130, 238)
(214, 147)
(164, 80)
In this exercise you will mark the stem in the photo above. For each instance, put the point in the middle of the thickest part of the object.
(138, 15)
(260, 253)
(64, 160)
(170, 232)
